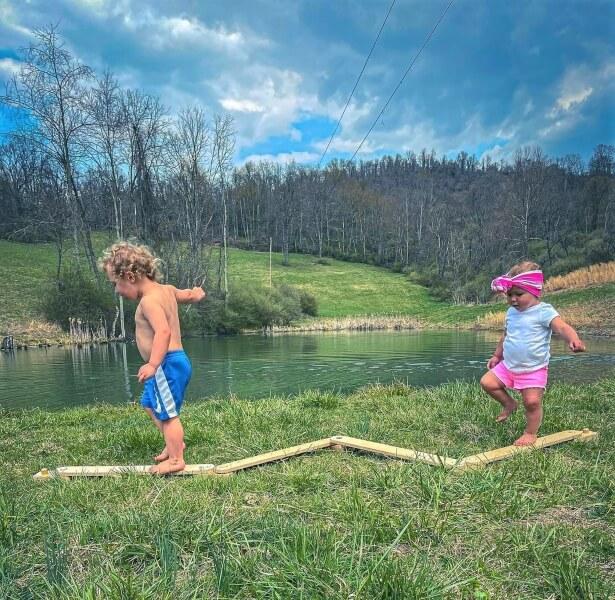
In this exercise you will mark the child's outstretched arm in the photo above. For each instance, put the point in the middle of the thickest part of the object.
(498, 355)
(559, 326)
(190, 296)
(156, 317)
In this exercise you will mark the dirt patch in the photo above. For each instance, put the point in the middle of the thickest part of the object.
(596, 318)
(599, 316)
(564, 515)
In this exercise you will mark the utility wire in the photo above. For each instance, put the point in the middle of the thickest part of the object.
(357, 82)
(402, 79)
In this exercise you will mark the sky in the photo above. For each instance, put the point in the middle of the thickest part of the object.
(494, 77)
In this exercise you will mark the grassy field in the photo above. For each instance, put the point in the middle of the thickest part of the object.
(343, 290)
(331, 525)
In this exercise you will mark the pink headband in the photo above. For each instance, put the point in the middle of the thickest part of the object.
(530, 281)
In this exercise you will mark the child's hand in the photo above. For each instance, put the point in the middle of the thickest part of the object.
(146, 372)
(198, 293)
(576, 345)
(493, 361)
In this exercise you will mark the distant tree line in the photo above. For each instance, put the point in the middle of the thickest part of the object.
(88, 155)
(454, 223)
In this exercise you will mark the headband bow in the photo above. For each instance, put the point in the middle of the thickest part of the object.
(530, 281)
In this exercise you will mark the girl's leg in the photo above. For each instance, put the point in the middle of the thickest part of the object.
(532, 400)
(497, 390)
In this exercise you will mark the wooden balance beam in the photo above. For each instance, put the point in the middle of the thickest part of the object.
(261, 459)
(476, 461)
(394, 451)
(206, 469)
(115, 471)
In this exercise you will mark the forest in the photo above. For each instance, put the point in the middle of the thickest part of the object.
(86, 154)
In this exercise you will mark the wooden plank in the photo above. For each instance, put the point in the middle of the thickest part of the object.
(116, 471)
(337, 442)
(587, 435)
(260, 459)
(484, 458)
(394, 451)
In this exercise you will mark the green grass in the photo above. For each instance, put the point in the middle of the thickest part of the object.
(331, 525)
(588, 295)
(25, 270)
(342, 289)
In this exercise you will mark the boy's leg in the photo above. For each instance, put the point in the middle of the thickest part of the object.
(157, 422)
(165, 453)
(532, 400)
(497, 390)
(174, 438)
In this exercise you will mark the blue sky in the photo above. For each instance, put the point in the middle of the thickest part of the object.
(497, 75)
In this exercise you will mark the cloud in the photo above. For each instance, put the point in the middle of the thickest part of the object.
(283, 158)
(174, 31)
(188, 33)
(265, 100)
(9, 67)
(542, 74)
(568, 100)
(579, 85)
(245, 106)
(10, 19)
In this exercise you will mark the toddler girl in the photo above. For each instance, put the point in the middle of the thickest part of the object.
(521, 359)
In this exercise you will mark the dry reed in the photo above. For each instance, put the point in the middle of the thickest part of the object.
(81, 332)
(35, 332)
(360, 323)
(581, 278)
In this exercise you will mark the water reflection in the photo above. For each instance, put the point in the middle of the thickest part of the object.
(256, 366)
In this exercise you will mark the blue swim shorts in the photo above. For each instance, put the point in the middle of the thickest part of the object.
(164, 392)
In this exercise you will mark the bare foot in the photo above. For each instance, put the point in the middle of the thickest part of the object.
(164, 454)
(527, 439)
(168, 466)
(509, 409)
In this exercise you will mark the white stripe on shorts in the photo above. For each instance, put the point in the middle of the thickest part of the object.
(165, 393)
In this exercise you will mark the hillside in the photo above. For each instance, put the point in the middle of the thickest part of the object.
(345, 292)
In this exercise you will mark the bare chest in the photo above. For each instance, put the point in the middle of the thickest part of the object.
(141, 323)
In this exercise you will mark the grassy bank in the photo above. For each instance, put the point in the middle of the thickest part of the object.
(349, 295)
(332, 525)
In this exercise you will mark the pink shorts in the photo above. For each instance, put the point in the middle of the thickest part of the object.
(521, 381)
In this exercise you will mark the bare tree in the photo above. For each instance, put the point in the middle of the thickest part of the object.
(50, 90)
(148, 142)
(108, 141)
(528, 183)
(191, 159)
(223, 150)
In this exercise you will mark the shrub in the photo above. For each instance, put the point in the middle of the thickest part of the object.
(309, 304)
(566, 265)
(477, 289)
(288, 300)
(77, 295)
(253, 307)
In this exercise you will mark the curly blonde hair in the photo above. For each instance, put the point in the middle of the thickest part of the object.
(127, 257)
(523, 267)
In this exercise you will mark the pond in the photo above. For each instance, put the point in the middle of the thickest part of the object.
(254, 366)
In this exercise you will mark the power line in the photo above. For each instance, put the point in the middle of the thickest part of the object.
(357, 82)
(402, 79)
